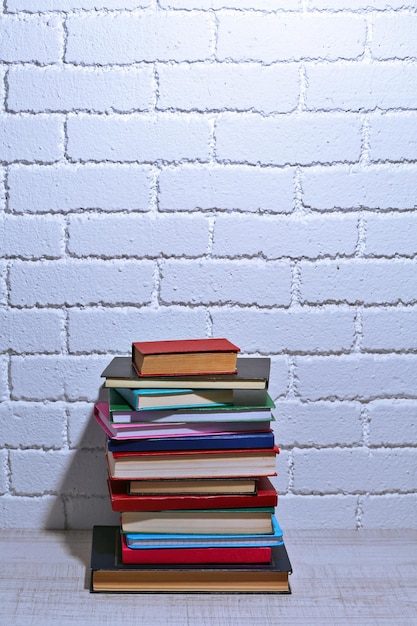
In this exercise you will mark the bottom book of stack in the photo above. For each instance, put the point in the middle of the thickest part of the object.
(118, 567)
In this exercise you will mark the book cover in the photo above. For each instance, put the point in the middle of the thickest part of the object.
(110, 574)
(121, 412)
(199, 556)
(144, 399)
(252, 373)
(121, 498)
(180, 357)
(192, 463)
(223, 441)
(239, 521)
(146, 430)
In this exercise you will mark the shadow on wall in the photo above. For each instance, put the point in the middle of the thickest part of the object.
(83, 499)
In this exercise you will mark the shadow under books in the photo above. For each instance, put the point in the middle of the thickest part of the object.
(82, 500)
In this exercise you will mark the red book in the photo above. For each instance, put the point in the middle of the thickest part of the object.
(122, 500)
(160, 556)
(182, 357)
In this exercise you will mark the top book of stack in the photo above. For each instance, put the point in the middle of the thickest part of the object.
(184, 357)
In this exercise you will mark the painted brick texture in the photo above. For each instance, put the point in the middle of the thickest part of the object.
(191, 168)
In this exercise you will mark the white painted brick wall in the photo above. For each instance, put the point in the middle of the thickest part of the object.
(185, 168)
(51, 88)
(63, 188)
(226, 187)
(164, 137)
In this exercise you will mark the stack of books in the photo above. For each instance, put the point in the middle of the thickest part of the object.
(189, 450)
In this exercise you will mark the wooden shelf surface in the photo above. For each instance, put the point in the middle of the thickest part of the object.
(340, 577)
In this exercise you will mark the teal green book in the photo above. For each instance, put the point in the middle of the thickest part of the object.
(145, 399)
(121, 412)
(168, 399)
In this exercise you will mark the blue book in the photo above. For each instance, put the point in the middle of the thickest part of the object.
(181, 540)
(237, 441)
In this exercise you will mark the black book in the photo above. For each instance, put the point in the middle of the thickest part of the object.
(252, 373)
(109, 574)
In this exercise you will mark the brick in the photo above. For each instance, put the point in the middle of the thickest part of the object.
(33, 6)
(391, 234)
(360, 86)
(221, 282)
(393, 36)
(327, 329)
(71, 378)
(32, 512)
(62, 188)
(3, 470)
(393, 137)
(322, 512)
(356, 376)
(354, 469)
(83, 431)
(219, 86)
(389, 329)
(390, 511)
(285, 236)
(281, 481)
(368, 281)
(84, 512)
(228, 187)
(31, 138)
(29, 424)
(138, 138)
(375, 187)
(28, 331)
(2, 89)
(3, 285)
(167, 235)
(279, 377)
(360, 4)
(38, 89)
(74, 282)
(31, 237)
(2, 189)
(283, 37)
(35, 472)
(269, 140)
(4, 378)
(265, 5)
(158, 36)
(392, 422)
(312, 424)
(30, 38)
(113, 329)
(80, 480)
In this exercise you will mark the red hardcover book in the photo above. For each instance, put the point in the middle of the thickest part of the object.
(160, 556)
(192, 463)
(122, 500)
(181, 357)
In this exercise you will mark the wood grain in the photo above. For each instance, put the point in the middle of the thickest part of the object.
(340, 577)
